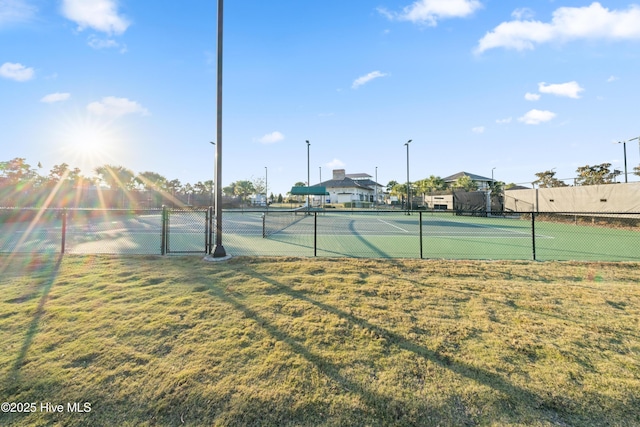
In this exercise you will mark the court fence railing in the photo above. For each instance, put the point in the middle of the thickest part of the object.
(419, 234)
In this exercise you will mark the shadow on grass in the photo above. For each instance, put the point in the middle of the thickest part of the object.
(516, 397)
(385, 410)
(32, 330)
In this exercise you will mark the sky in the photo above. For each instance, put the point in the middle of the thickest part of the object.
(501, 87)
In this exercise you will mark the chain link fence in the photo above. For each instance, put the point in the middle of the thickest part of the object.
(327, 233)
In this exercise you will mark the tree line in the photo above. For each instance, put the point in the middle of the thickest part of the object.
(23, 185)
(586, 175)
(65, 186)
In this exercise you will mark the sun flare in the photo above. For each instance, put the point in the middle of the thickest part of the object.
(88, 142)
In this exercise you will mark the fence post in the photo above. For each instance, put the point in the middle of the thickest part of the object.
(315, 234)
(210, 233)
(206, 231)
(64, 231)
(421, 235)
(533, 233)
(163, 239)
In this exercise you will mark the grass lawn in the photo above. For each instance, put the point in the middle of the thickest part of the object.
(337, 342)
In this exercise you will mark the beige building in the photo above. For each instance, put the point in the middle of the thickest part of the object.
(346, 188)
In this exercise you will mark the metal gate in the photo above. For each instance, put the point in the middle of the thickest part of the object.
(186, 231)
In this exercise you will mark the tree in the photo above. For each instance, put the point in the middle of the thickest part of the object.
(61, 182)
(636, 170)
(230, 190)
(496, 187)
(244, 188)
(151, 181)
(398, 190)
(116, 178)
(188, 190)
(18, 183)
(547, 179)
(204, 187)
(429, 185)
(594, 175)
(466, 183)
(390, 185)
(259, 186)
(173, 186)
(17, 171)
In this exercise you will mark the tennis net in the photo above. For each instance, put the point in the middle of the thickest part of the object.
(276, 221)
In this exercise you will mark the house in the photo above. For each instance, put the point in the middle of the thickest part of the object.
(346, 188)
(484, 183)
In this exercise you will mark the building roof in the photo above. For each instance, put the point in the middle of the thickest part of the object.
(358, 176)
(474, 177)
(345, 183)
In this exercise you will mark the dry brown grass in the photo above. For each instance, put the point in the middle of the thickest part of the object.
(287, 341)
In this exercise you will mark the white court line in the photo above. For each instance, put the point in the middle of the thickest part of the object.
(395, 226)
(510, 231)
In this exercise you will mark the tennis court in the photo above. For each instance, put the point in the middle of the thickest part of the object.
(434, 235)
(371, 234)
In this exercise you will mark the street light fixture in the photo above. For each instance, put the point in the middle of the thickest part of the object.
(266, 187)
(492, 182)
(408, 185)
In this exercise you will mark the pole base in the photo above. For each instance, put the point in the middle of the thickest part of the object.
(219, 252)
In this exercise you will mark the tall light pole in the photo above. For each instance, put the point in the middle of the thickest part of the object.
(218, 250)
(213, 183)
(624, 146)
(408, 185)
(266, 187)
(492, 182)
(308, 176)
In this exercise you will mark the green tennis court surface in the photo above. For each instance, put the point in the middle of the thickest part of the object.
(372, 234)
(444, 235)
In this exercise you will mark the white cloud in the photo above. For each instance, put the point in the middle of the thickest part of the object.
(504, 121)
(570, 89)
(429, 12)
(531, 96)
(15, 11)
(612, 79)
(55, 97)
(271, 138)
(116, 107)
(100, 15)
(17, 72)
(535, 117)
(335, 164)
(478, 129)
(98, 43)
(523, 13)
(567, 23)
(366, 79)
